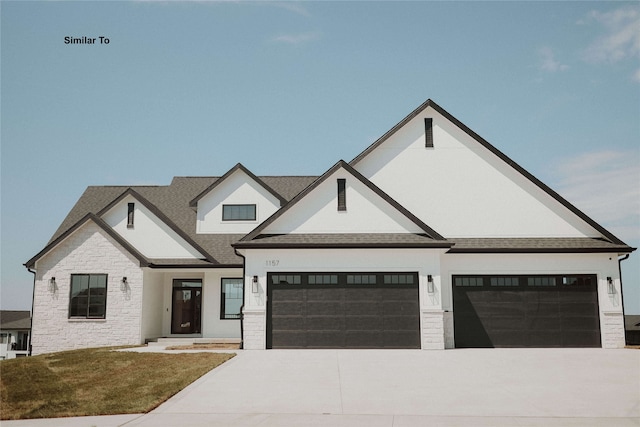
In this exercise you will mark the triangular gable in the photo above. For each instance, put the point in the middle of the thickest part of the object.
(500, 155)
(90, 217)
(160, 216)
(375, 196)
(230, 172)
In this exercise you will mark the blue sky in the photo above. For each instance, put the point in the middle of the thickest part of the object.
(288, 88)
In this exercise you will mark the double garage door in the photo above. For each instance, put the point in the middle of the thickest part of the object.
(343, 310)
(381, 310)
(526, 311)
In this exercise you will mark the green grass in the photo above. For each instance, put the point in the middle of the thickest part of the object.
(96, 381)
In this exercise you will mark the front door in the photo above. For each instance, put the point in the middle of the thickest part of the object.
(187, 306)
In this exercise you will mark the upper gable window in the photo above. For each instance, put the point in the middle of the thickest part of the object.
(342, 194)
(238, 212)
(131, 207)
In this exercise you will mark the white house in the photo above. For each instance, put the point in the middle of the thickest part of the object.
(15, 326)
(430, 238)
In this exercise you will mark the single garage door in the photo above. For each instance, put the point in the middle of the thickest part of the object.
(526, 311)
(343, 310)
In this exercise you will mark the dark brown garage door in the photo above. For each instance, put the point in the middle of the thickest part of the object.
(343, 310)
(526, 311)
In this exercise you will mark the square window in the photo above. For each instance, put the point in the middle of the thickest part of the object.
(88, 296)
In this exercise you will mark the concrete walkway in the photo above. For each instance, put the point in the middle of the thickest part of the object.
(402, 388)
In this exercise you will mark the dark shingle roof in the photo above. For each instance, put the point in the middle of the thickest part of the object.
(532, 245)
(15, 319)
(173, 201)
(345, 240)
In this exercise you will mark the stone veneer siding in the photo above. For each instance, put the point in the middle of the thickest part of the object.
(433, 329)
(254, 334)
(613, 330)
(89, 250)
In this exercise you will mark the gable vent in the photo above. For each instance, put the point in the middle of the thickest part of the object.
(342, 194)
(428, 132)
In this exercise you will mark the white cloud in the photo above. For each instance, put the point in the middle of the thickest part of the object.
(548, 61)
(620, 39)
(292, 6)
(296, 39)
(606, 186)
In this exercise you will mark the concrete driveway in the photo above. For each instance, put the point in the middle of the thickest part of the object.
(408, 388)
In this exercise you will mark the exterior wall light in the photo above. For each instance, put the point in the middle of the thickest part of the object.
(254, 285)
(611, 289)
(430, 287)
(53, 287)
(124, 284)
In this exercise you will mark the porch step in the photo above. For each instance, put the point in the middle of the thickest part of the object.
(229, 343)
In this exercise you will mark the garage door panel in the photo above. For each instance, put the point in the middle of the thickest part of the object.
(506, 323)
(287, 323)
(363, 323)
(397, 293)
(332, 308)
(543, 323)
(526, 316)
(573, 308)
(535, 307)
(545, 338)
(327, 323)
(288, 294)
(579, 323)
(362, 308)
(344, 314)
(289, 339)
(579, 338)
(325, 339)
(362, 339)
(361, 293)
(400, 323)
(292, 308)
(325, 294)
(395, 307)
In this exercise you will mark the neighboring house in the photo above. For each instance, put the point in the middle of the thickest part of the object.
(15, 326)
(430, 238)
(632, 329)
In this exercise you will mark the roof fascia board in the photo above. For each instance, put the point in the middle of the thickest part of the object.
(100, 223)
(495, 151)
(455, 250)
(253, 245)
(157, 212)
(342, 164)
(392, 131)
(239, 166)
(191, 267)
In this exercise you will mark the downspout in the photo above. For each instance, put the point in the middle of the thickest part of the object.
(244, 263)
(33, 298)
(622, 293)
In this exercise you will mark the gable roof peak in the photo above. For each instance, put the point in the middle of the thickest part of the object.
(238, 166)
(341, 164)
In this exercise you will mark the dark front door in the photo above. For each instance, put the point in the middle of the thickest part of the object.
(343, 310)
(526, 311)
(186, 307)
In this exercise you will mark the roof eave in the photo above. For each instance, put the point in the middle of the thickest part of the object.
(455, 250)
(255, 245)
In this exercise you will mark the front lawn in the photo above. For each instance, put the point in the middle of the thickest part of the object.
(96, 382)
